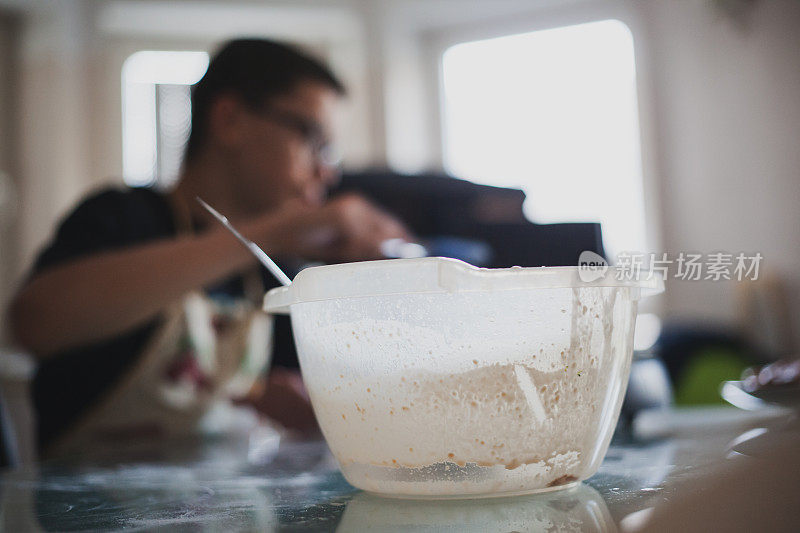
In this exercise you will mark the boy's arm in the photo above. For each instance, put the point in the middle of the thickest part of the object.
(104, 294)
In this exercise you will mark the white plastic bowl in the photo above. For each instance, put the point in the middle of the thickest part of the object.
(433, 378)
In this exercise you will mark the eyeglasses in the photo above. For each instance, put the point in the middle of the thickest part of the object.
(309, 130)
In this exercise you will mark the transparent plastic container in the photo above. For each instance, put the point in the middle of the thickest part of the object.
(433, 378)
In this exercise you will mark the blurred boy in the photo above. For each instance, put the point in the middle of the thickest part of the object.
(123, 350)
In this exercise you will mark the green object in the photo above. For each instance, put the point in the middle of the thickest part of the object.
(701, 379)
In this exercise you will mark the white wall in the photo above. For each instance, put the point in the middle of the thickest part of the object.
(53, 110)
(728, 114)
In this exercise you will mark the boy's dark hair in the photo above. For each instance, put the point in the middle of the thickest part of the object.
(253, 70)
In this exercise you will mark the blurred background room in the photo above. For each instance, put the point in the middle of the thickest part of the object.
(673, 124)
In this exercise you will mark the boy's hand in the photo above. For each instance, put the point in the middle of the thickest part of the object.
(348, 228)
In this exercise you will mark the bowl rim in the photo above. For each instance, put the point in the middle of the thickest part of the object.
(440, 275)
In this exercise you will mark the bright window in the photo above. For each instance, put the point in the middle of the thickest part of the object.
(553, 112)
(157, 113)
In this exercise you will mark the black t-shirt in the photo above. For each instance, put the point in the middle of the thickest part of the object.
(68, 383)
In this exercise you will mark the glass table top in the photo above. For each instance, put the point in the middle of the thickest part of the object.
(260, 482)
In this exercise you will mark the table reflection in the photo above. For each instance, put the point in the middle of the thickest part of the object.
(580, 508)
